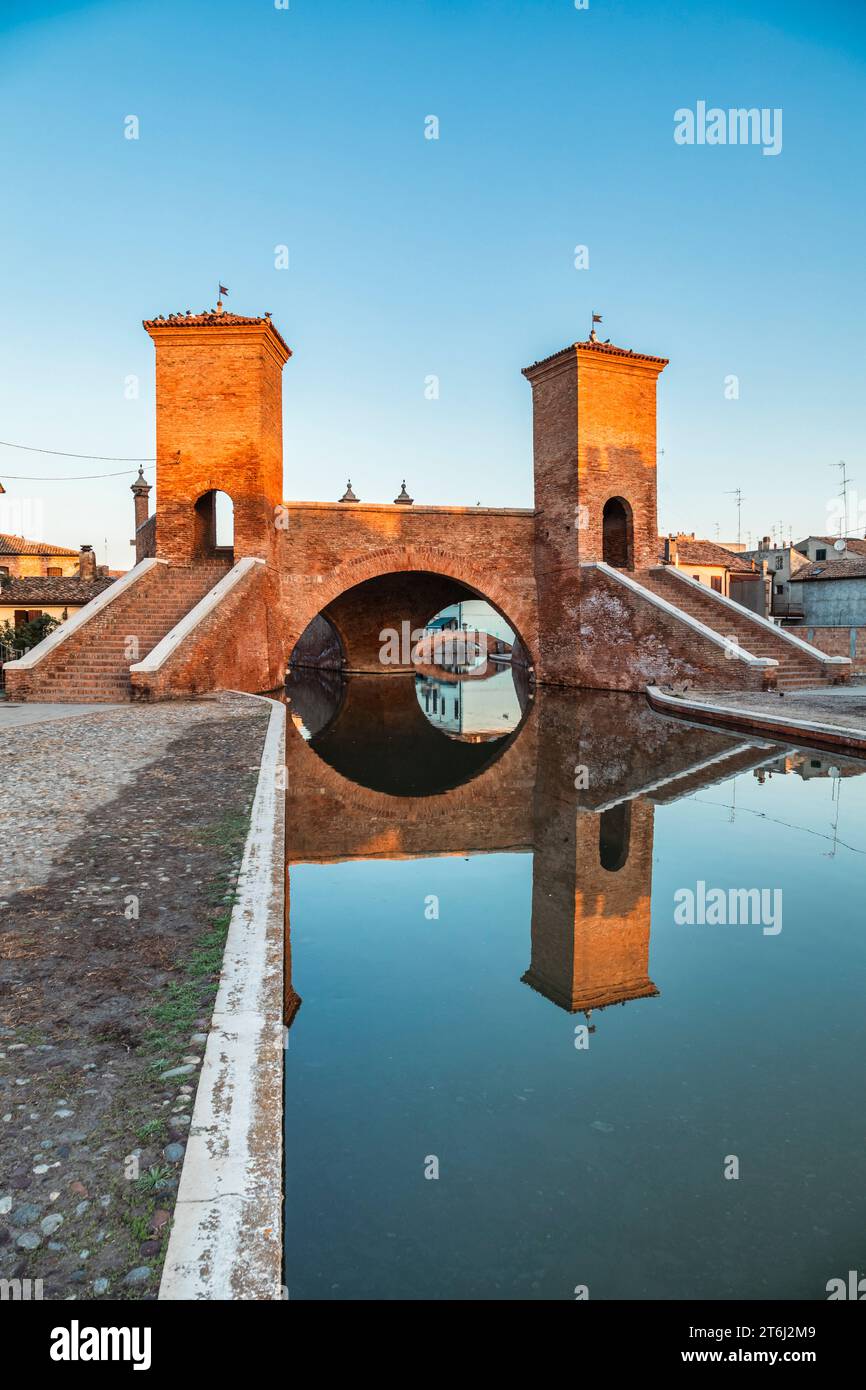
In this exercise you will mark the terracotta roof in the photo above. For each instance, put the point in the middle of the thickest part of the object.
(696, 552)
(210, 318)
(853, 568)
(17, 545)
(35, 592)
(605, 349)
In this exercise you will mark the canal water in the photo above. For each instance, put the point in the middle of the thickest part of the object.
(544, 1041)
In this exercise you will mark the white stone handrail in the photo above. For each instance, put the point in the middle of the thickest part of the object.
(734, 651)
(213, 598)
(738, 608)
(84, 615)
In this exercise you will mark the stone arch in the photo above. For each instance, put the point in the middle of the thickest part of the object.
(617, 533)
(209, 512)
(434, 564)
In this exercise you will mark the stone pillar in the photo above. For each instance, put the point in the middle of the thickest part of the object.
(142, 538)
(141, 492)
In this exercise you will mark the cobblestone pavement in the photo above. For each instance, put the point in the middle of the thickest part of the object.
(122, 832)
(844, 705)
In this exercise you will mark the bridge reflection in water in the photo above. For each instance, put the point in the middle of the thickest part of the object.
(393, 767)
(459, 1037)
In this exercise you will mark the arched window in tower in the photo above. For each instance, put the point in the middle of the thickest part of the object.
(617, 534)
(214, 525)
(614, 836)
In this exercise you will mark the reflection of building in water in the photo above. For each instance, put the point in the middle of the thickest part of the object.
(475, 614)
(378, 780)
(811, 764)
(472, 709)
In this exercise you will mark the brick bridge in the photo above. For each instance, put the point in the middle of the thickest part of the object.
(577, 576)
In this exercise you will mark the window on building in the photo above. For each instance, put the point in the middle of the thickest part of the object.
(4, 569)
(716, 582)
(780, 562)
(821, 554)
(780, 588)
(20, 617)
(54, 572)
(697, 577)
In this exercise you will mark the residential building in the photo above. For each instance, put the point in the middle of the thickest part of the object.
(823, 548)
(21, 558)
(734, 576)
(832, 593)
(23, 598)
(781, 561)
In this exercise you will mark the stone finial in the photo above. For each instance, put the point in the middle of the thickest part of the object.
(141, 487)
(404, 500)
(348, 495)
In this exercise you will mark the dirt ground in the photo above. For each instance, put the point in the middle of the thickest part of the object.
(121, 834)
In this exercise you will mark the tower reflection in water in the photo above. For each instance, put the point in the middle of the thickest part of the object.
(399, 767)
(565, 1159)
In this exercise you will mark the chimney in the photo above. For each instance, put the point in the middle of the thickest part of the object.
(87, 563)
(671, 550)
(766, 543)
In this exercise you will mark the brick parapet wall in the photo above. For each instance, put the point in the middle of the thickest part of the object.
(230, 649)
(838, 641)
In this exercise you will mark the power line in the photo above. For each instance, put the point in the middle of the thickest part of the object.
(80, 478)
(60, 453)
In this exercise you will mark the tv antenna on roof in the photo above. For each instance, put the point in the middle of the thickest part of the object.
(736, 492)
(843, 524)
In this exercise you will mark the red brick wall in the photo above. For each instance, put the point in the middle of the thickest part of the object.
(624, 642)
(228, 650)
(328, 548)
(594, 438)
(218, 406)
(836, 641)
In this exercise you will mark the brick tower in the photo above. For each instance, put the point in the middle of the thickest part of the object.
(218, 429)
(594, 458)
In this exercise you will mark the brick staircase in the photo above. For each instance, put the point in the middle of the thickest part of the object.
(91, 662)
(797, 669)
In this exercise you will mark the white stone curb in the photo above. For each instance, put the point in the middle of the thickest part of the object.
(763, 724)
(90, 610)
(226, 1241)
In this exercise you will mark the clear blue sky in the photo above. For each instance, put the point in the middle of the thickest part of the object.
(411, 257)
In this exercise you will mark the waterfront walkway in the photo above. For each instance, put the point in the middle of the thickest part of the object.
(122, 832)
